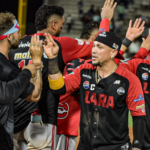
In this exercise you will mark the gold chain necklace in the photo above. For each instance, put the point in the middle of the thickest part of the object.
(97, 76)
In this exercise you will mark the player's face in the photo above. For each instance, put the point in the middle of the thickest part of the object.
(100, 53)
(59, 26)
(14, 42)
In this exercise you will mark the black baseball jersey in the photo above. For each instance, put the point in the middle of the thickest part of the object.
(104, 106)
(8, 73)
(141, 68)
(48, 103)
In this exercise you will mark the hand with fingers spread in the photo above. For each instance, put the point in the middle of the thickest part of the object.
(146, 42)
(50, 47)
(108, 9)
(36, 49)
(135, 31)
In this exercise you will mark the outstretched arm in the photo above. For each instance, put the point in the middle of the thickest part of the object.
(56, 80)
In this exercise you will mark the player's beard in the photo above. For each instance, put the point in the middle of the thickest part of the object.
(96, 63)
(14, 43)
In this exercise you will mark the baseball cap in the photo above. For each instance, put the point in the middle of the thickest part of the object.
(111, 40)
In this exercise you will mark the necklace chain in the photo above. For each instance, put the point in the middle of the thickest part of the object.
(97, 76)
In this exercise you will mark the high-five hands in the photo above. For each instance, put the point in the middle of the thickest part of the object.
(50, 47)
(136, 30)
(36, 49)
(108, 9)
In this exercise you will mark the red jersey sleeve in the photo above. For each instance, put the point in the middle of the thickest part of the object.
(142, 53)
(76, 48)
(135, 98)
(73, 80)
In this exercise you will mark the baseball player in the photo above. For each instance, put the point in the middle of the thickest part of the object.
(108, 92)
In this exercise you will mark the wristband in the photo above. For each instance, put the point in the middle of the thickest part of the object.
(53, 66)
(126, 42)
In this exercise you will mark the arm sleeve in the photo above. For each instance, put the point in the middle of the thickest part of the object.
(135, 98)
(29, 88)
(75, 48)
(139, 126)
(10, 91)
(142, 53)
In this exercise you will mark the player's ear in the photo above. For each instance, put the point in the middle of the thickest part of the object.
(9, 36)
(54, 24)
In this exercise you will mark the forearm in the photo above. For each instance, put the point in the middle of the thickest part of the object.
(37, 81)
(55, 77)
(11, 90)
(139, 126)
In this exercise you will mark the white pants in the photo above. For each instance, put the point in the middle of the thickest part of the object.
(38, 137)
(66, 142)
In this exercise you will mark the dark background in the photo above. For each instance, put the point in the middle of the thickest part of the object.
(12, 6)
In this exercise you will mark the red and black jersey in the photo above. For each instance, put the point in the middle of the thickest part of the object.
(104, 109)
(69, 107)
(69, 49)
(141, 68)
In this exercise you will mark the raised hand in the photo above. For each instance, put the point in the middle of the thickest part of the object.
(108, 9)
(135, 31)
(50, 47)
(146, 42)
(36, 49)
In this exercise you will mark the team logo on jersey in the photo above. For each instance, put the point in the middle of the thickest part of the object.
(86, 84)
(120, 90)
(140, 98)
(63, 110)
(145, 76)
(125, 147)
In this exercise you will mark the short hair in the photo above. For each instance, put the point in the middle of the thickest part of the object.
(6, 22)
(44, 13)
(88, 29)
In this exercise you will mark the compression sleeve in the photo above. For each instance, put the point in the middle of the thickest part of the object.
(139, 126)
(10, 91)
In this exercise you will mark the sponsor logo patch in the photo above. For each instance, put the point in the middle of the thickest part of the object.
(120, 90)
(145, 76)
(117, 82)
(24, 44)
(140, 106)
(87, 76)
(86, 84)
(139, 99)
(146, 69)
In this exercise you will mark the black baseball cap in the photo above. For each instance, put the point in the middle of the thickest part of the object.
(111, 40)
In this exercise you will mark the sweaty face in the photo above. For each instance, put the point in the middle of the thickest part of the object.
(59, 26)
(100, 53)
(14, 42)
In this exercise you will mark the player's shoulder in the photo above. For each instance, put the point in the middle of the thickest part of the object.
(87, 66)
(124, 72)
